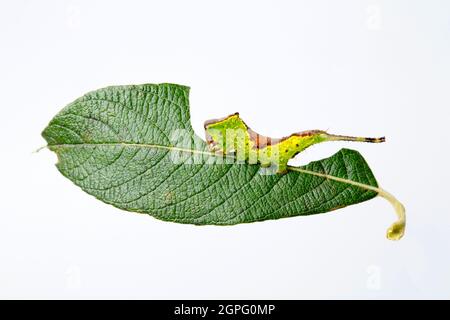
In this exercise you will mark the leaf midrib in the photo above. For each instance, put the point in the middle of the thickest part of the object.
(137, 145)
(194, 151)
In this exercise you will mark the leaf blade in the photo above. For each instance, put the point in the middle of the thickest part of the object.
(115, 143)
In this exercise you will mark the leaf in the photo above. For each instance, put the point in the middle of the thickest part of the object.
(133, 147)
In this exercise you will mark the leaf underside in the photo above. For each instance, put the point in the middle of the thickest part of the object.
(116, 144)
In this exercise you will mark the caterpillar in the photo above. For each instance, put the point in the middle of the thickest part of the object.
(231, 135)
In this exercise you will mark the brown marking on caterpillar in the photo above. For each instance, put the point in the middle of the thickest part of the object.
(307, 133)
(212, 121)
(209, 139)
(375, 140)
(260, 141)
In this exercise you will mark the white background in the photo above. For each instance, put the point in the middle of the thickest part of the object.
(353, 67)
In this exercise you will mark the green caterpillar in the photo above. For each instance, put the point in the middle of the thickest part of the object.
(232, 135)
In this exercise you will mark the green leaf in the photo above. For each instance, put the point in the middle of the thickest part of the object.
(133, 147)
